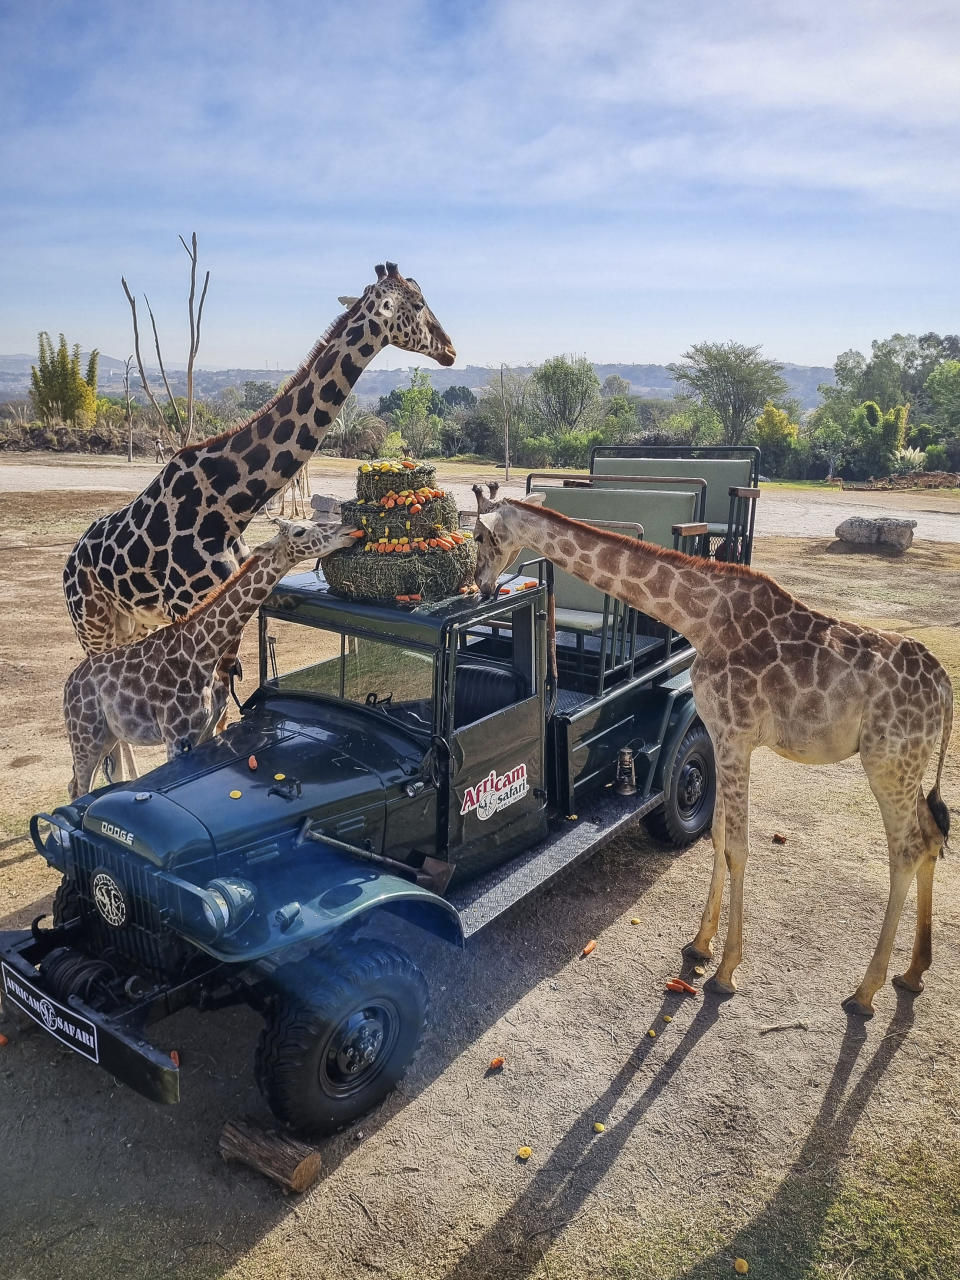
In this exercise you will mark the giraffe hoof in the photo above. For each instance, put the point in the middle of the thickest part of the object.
(856, 1008)
(697, 953)
(902, 981)
(720, 986)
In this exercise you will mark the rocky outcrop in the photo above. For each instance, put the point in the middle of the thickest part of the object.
(884, 529)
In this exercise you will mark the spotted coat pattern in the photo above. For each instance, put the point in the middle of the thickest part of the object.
(771, 672)
(167, 686)
(156, 558)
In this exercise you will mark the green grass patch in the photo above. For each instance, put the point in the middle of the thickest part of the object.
(885, 1219)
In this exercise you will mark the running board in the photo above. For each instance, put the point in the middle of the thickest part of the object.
(481, 901)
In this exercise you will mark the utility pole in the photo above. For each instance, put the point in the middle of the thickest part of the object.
(126, 389)
(506, 429)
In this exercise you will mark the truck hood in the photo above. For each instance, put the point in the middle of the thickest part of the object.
(254, 782)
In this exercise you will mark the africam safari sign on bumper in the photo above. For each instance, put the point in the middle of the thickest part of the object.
(495, 792)
(68, 1027)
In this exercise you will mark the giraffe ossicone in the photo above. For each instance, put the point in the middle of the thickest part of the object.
(156, 558)
(168, 687)
(771, 672)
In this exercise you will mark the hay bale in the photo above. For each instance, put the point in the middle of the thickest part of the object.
(371, 575)
(381, 522)
(376, 479)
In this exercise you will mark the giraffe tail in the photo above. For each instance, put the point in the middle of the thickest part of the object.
(941, 814)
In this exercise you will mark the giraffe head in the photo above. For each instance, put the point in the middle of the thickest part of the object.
(499, 535)
(394, 310)
(303, 540)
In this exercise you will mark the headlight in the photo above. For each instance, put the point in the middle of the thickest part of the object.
(228, 903)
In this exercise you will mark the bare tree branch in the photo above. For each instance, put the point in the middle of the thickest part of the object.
(136, 346)
(170, 396)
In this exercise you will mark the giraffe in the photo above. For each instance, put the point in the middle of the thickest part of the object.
(772, 672)
(156, 558)
(167, 687)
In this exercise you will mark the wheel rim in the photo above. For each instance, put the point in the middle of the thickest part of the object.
(358, 1048)
(692, 789)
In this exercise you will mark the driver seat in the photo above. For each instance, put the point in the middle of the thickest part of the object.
(481, 690)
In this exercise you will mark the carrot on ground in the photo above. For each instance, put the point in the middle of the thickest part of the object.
(591, 946)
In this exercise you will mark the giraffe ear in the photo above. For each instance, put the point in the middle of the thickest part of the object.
(535, 499)
(346, 301)
(488, 519)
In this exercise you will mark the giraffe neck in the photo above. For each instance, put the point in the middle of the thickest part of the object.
(673, 588)
(245, 467)
(215, 625)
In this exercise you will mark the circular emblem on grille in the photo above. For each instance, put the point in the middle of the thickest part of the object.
(109, 898)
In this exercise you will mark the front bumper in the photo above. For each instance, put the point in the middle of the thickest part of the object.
(96, 1036)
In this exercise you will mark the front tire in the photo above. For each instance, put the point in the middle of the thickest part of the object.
(66, 902)
(687, 810)
(340, 1035)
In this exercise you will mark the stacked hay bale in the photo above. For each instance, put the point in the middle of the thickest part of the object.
(412, 549)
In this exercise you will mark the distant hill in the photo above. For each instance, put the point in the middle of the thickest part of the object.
(651, 381)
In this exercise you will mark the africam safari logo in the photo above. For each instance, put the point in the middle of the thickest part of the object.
(496, 792)
(68, 1027)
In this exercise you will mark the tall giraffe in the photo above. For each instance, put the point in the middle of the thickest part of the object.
(771, 672)
(166, 687)
(157, 557)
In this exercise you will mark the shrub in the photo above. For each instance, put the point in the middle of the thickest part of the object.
(907, 461)
(936, 458)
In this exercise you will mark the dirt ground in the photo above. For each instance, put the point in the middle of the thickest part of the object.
(766, 1126)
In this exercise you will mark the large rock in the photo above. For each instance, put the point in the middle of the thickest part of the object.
(884, 529)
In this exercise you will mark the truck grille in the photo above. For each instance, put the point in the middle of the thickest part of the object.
(141, 940)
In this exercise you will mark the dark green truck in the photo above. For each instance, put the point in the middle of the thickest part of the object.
(433, 763)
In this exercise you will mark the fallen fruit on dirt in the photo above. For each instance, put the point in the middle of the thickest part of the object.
(652, 1034)
(778, 838)
(741, 1266)
(667, 1017)
(598, 1127)
(635, 920)
(591, 946)
(496, 1063)
(524, 1153)
(699, 969)
(3, 1041)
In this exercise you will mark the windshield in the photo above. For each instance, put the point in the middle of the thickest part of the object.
(392, 678)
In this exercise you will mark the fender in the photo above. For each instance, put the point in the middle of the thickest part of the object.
(683, 713)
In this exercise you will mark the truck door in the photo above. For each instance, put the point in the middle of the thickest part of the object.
(497, 797)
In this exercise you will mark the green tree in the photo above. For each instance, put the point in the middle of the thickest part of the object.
(614, 386)
(564, 395)
(256, 394)
(731, 379)
(414, 419)
(458, 398)
(877, 438)
(59, 390)
(943, 389)
(358, 432)
(777, 438)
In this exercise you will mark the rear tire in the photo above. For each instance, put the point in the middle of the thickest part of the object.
(339, 1036)
(687, 810)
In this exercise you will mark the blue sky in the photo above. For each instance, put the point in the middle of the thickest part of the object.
(608, 178)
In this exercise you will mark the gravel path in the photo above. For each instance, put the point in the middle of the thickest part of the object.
(798, 513)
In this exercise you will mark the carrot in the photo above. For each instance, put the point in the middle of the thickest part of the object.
(357, 533)
(496, 1063)
(416, 598)
(504, 591)
(402, 599)
(3, 1041)
(411, 466)
(416, 508)
(432, 542)
(691, 991)
(591, 946)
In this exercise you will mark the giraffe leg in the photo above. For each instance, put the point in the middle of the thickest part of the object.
(702, 945)
(907, 851)
(922, 955)
(734, 783)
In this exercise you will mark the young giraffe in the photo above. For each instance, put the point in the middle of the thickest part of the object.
(156, 558)
(772, 672)
(167, 687)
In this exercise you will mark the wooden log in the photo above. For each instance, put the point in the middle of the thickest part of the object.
(291, 1163)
